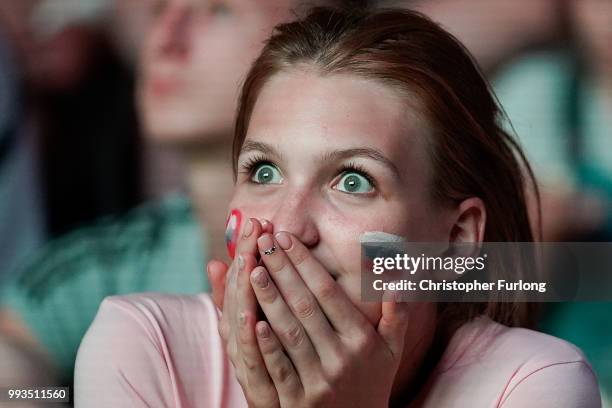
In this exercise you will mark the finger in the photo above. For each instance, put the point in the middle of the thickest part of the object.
(254, 376)
(266, 226)
(339, 309)
(394, 322)
(289, 330)
(217, 271)
(226, 310)
(246, 302)
(251, 368)
(229, 325)
(252, 229)
(243, 296)
(279, 366)
(247, 244)
(302, 303)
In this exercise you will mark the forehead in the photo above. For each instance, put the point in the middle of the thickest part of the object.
(302, 107)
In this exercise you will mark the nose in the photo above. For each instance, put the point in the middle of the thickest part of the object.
(173, 30)
(296, 214)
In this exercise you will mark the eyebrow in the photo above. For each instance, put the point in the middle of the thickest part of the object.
(251, 146)
(335, 155)
(365, 152)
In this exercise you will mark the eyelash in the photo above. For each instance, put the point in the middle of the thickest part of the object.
(253, 162)
(352, 167)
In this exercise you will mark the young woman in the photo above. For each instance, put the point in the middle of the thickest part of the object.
(348, 123)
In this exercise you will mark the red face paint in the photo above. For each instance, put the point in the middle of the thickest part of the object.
(231, 231)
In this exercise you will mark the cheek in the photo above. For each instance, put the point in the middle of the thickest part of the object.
(253, 206)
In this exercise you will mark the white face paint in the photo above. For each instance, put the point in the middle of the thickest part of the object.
(381, 244)
(380, 237)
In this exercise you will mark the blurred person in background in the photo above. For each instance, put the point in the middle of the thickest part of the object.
(83, 88)
(68, 141)
(193, 59)
(22, 221)
(64, 90)
(560, 103)
(40, 57)
(495, 30)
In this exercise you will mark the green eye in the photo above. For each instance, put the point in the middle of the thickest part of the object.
(266, 174)
(354, 183)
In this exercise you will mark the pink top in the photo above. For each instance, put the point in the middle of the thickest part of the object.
(154, 350)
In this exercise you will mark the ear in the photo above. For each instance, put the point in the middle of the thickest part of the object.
(470, 221)
(466, 233)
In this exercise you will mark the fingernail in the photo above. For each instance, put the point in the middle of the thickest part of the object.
(259, 278)
(266, 244)
(284, 240)
(263, 331)
(240, 262)
(248, 229)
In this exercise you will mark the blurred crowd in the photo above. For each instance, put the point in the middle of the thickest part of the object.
(116, 119)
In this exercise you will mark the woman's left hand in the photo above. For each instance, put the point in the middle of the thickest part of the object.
(321, 350)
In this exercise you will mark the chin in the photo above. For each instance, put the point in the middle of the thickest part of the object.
(180, 130)
(183, 122)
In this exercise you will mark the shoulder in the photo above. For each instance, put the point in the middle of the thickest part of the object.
(151, 347)
(162, 311)
(549, 372)
(165, 320)
(485, 343)
(532, 346)
(512, 367)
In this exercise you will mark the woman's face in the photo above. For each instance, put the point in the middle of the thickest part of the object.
(328, 158)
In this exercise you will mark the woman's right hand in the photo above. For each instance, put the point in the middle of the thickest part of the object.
(238, 306)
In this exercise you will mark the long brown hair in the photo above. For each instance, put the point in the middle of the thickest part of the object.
(472, 155)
